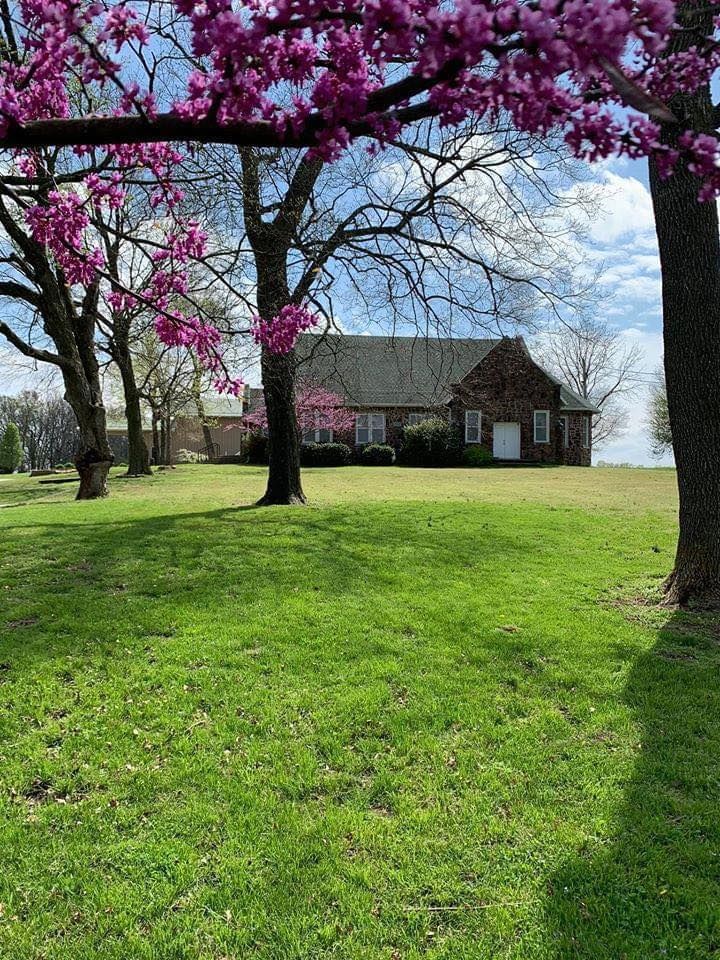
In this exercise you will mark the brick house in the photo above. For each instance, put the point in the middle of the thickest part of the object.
(493, 390)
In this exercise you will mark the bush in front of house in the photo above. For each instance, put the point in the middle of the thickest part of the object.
(432, 443)
(325, 455)
(377, 455)
(11, 450)
(186, 456)
(476, 456)
(256, 448)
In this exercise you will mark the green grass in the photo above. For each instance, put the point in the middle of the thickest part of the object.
(418, 719)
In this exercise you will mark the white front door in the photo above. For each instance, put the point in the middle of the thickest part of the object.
(506, 441)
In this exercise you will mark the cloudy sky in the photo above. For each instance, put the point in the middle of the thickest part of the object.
(622, 241)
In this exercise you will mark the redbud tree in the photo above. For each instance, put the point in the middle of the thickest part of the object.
(317, 75)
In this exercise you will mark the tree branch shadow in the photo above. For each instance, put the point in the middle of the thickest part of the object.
(653, 889)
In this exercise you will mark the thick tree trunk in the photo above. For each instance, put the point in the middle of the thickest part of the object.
(284, 484)
(689, 242)
(94, 456)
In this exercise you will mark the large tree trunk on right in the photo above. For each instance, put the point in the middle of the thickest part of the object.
(689, 242)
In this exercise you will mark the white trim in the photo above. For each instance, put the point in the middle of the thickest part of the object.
(369, 428)
(476, 427)
(547, 426)
(586, 433)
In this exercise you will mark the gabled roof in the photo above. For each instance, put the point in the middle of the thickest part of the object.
(389, 371)
(401, 371)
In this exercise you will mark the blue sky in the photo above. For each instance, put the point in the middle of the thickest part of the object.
(622, 241)
(622, 244)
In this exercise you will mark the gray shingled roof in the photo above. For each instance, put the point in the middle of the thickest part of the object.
(389, 371)
(399, 371)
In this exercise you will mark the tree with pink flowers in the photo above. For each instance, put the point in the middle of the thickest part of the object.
(316, 408)
(618, 77)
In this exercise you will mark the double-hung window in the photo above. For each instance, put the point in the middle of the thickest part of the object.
(473, 424)
(586, 432)
(370, 428)
(415, 418)
(542, 426)
(320, 435)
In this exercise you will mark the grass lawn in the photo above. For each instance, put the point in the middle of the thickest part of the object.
(427, 716)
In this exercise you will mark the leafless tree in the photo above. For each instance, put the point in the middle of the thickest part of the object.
(48, 429)
(597, 362)
(444, 234)
(659, 417)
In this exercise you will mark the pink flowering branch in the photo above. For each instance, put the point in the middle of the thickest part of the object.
(298, 73)
(315, 409)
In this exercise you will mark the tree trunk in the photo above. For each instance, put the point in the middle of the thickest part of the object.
(284, 485)
(138, 457)
(94, 456)
(689, 242)
(155, 439)
(166, 435)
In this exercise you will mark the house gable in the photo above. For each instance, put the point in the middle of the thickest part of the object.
(508, 387)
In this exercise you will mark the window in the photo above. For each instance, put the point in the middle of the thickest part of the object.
(542, 426)
(473, 424)
(415, 418)
(321, 435)
(586, 432)
(564, 426)
(370, 428)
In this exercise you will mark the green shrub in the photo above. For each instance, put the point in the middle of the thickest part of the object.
(11, 451)
(476, 456)
(256, 448)
(377, 455)
(325, 455)
(186, 456)
(432, 443)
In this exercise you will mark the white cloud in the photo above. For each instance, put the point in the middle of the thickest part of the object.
(625, 210)
(634, 445)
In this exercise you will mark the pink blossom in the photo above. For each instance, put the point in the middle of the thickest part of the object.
(280, 333)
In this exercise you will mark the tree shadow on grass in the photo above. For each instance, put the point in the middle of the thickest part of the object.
(653, 890)
(85, 583)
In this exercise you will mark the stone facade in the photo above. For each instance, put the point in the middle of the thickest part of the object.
(506, 387)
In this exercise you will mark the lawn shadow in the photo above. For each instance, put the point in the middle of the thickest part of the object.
(130, 574)
(652, 890)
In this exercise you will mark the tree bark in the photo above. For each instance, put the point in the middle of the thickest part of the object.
(271, 241)
(284, 485)
(138, 456)
(689, 242)
(94, 456)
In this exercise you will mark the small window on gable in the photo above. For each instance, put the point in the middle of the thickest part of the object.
(542, 426)
(473, 424)
(370, 428)
(586, 432)
(565, 427)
